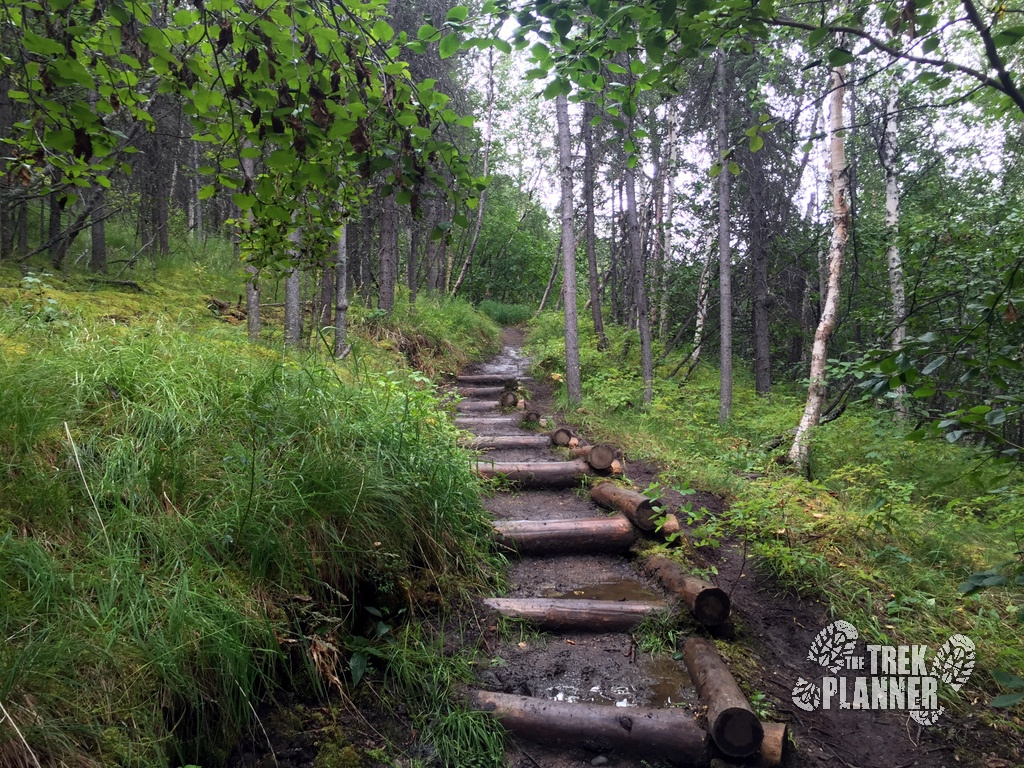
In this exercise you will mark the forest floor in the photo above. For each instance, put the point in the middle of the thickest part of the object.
(771, 634)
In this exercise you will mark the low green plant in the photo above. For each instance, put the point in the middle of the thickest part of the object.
(505, 314)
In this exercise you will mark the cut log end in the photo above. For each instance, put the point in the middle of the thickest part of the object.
(508, 399)
(711, 606)
(531, 417)
(737, 732)
(562, 437)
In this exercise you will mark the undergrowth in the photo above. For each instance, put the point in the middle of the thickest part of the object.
(888, 530)
(188, 520)
(505, 314)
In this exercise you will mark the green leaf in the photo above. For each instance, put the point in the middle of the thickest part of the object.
(243, 201)
(817, 36)
(930, 44)
(382, 31)
(1007, 680)
(934, 365)
(756, 143)
(839, 57)
(1007, 700)
(457, 14)
(715, 170)
(449, 45)
(357, 665)
(207, 192)
(426, 32)
(734, 169)
(42, 45)
(668, 12)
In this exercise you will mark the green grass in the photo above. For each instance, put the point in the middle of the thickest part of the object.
(188, 521)
(505, 314)
(887, 529)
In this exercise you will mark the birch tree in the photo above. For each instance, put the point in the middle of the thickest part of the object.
(724, 252)
(799, 452)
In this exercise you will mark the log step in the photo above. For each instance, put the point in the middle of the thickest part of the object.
(480, 391)
(539, 474)
(637, 507)
(503, 379)
(510, 441)
(659, 734)
(586, 535)
(586, 615)
(476, 406)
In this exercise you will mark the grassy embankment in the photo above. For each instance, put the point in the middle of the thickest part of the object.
(190, 523)
(887, 530)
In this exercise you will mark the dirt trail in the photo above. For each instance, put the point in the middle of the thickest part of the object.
(773, 633)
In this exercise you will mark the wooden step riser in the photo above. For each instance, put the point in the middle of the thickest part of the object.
(575, 536)
(658, 734)
(581, 615)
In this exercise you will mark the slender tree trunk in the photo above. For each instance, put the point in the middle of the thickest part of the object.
(799, 453)
(573, 384)
(757, 214)
(888, 153)
(588, 200)
(341, 295)
(703, 296)
(666, 234)
(412, 262)
(253, 315)
(724, 252)
(551, 280)
(388, 253)
(481, 201)
(98, 232)
(57, 243)
(639, 287)
(292, 291)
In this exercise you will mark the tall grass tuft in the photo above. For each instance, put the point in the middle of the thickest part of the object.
(174, 506)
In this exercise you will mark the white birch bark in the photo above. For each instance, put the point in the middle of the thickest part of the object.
(341, 346)
(893, 257)
(724, 255)
(799, 452)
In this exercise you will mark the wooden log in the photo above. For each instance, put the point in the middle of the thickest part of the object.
(475, 406)
(480, 391)
(670, 526)
(635, 506)
(599, 457)
(586, 535)
(562, 436)
(570, 614)
(776, 745)
(468, 420)
(732, 724)
(533, 416)
(657, 734)
(616, 468)
(537, 474)
(510, 441)
(708, 604)
(509, 399)
(501, 379)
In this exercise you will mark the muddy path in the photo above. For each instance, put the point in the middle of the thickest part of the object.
(768, 640)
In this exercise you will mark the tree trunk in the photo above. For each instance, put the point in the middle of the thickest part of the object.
(253, 314)
(574, 388)
(888, 152)
(799, 453)
(388, 252)
(588, 200)
(58, 248)
(666, 234)
(639, 284)
(757, 213)
(483, 442)
(98, 232)
(481, 201)
(703, 299)
(724, 252)
(292, 290)
(341, 294)
(412, 262)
